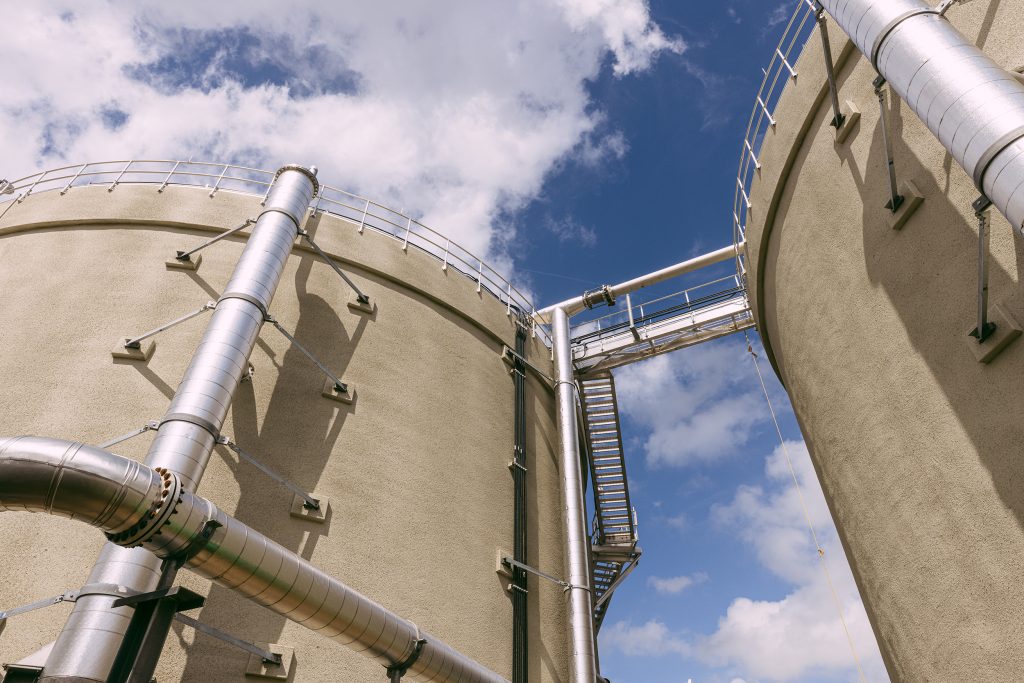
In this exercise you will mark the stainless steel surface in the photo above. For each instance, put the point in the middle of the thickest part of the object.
(583, 664)
(188, 431)
(973, 106)
(129, 500)
(576, 304)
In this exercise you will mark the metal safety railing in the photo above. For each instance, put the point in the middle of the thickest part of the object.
(362, 212)
(780, 70)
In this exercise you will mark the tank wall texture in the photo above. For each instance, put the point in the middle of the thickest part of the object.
(416, 469)
(916, 443)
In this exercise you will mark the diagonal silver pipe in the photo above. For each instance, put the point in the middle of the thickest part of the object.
(150, 509)
(969, 102)
(583, 663)
(87, 645)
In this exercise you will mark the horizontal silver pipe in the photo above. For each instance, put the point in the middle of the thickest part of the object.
(577, 304)
(970, 103)
(138, 506)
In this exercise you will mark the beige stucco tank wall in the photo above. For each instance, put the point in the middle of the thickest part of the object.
(917, 444)
(416, 470)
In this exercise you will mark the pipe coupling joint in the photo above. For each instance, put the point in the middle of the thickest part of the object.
(160, 511)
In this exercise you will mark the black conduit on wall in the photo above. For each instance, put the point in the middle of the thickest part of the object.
(520, 644)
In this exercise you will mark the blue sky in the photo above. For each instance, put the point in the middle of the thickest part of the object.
(572, 142)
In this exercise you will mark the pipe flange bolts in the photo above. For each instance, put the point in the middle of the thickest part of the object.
(308, 172)
(159, 512)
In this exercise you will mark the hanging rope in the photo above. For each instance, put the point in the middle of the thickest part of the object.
(807, 514)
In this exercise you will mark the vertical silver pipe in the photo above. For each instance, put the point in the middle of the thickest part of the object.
(583, 668)
(86, 647)
(969, 102)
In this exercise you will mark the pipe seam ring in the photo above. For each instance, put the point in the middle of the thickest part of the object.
(191, 419)
(891, 26)
(161, 510)
(992, 152)
(303, 170)
(282, 212)
(244, 297)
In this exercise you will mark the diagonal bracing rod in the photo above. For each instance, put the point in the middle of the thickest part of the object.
(360, 296)
(895, 198)
(136, 342)
(339, 386)
(186, 255)
(310, 503)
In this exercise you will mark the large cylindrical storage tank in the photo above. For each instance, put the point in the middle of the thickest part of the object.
(416, 469)
(916, 440)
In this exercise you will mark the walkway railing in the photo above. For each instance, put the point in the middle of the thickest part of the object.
(781, 69)
(363, 213)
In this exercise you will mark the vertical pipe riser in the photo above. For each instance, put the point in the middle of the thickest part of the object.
(581, 620)
(973, 106)
(197, 411)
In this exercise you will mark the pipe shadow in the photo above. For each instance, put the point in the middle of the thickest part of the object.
(296, 413)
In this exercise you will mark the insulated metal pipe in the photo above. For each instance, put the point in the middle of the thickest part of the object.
(583, 665)
(151, 510)
(577, 304)
(969, 102)
(88, 643)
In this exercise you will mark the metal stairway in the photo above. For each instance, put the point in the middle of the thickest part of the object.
(614, 552)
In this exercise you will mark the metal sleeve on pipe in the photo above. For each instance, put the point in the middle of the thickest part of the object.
(116, 494)
(973, 106)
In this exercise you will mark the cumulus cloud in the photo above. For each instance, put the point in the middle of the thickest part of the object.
(674, 585)
(454, 111)
(799, 637)
(650, 638)
(697, 406)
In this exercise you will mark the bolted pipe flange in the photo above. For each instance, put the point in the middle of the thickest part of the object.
(164, 505)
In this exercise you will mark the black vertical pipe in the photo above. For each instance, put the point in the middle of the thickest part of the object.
(520, 644)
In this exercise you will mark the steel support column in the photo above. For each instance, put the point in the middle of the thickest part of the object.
(583, 664)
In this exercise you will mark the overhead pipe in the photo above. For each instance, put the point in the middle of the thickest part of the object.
(970, 103)
(612, 292)
(89, 642)
(151, 510)
(583, 662)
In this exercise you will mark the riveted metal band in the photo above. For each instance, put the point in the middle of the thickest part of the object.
(992, 152)
(244, 297)
(191, 419)
(891, 26)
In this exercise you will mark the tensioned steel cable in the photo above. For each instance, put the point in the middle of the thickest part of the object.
(807, 514)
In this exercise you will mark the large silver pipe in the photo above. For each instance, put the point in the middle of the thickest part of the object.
(969, 102)
(150, 509)
(583, 665)
(577, 304)
(88, 643)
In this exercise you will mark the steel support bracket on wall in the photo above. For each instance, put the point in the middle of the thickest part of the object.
(838, 118)
(362, 300)
(132, 347)
(984, 328)
(895, 198)
(183, 259)
(510, 357)
(305, 505)
(335, 388)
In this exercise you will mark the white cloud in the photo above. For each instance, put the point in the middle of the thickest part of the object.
(650, 638)
(697, 406)
(455, 111)
(799, 637)
(674, 585)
